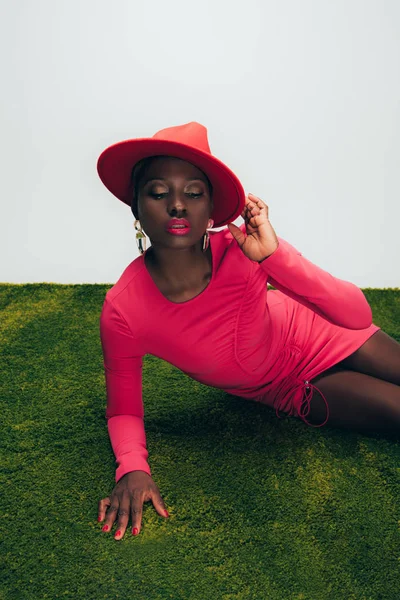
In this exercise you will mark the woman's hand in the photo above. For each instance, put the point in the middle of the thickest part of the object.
(261, 240)
(127, 499)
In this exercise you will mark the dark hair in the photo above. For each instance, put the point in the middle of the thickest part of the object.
(136, 175)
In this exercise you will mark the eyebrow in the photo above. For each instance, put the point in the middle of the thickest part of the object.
(164, 179)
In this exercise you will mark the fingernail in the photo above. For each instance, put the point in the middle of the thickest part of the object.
(105, 528)
(118, 533)
(99, 518)
(135, 531)
(166, 513)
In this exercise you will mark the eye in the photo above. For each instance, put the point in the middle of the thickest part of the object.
(159, 196)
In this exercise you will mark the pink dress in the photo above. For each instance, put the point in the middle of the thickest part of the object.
(236, 335)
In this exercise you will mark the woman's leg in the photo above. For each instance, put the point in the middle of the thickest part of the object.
(363, 390)
(379, 357)
(357, 402)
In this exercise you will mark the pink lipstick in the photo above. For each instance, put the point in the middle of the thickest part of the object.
(178, 226)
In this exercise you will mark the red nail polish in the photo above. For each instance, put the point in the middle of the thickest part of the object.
(135, 531)
(166, 513)
(118, 533)
(105, 528)
(99, 519)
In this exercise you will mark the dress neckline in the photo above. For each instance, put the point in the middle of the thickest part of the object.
(185, 302)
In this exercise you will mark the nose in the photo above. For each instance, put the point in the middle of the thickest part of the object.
(177, 203)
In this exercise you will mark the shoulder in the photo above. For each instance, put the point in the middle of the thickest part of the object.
(125, 301)
(128, 281)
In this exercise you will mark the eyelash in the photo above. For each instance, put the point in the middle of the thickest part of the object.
(158, 196)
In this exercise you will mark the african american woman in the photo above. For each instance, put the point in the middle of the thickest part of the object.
(199, 300)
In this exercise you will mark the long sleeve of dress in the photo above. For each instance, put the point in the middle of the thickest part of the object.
(339, 302)
(123, 362)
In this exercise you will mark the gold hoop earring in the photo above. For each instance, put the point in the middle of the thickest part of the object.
(206, 239)
(140, 237)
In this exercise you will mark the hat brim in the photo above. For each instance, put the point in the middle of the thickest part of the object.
(116, 162)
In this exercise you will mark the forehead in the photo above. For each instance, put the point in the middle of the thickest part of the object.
(168, 166)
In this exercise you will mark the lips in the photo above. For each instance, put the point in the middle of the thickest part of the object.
(178, 224)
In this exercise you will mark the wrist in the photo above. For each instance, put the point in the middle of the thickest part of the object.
(265, 257)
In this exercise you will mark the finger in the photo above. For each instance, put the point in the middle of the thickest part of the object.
(249, 201)
(247, 211)
(253, 212)
(252, 206)
(111, 514)
(102, 507)
(261, 205)
(158, 503)
(137, 511)
(256, 200)
(257, 208)
(237, 233)
(123, 515)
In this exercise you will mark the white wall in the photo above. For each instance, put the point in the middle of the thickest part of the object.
(301, 99)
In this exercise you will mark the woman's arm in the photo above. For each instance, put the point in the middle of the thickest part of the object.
(123, 363)
(128, 440)
(339, 302)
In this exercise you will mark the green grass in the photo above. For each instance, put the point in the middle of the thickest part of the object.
(261, 508)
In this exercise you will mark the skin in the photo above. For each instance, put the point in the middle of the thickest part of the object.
(171, 187)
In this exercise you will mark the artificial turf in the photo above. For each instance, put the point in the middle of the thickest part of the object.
(261, 507)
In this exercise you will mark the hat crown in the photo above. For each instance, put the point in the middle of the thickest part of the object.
(193, 134)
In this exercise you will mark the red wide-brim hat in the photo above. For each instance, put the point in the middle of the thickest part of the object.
(188, 142)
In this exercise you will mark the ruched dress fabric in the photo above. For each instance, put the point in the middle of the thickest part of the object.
(236, 335)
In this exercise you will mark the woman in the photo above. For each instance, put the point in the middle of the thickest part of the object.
(199, 300)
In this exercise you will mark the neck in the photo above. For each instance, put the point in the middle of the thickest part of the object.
(181, 267)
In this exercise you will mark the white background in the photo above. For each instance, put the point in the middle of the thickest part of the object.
(301, 99)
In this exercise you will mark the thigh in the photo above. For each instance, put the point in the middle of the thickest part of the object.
(356, 402)
(379, 357)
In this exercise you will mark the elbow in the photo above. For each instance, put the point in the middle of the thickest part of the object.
(361, 319)
(365, 317)
(358, 314)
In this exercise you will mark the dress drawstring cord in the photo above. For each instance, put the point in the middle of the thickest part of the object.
(306, 402)
(288, 387)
